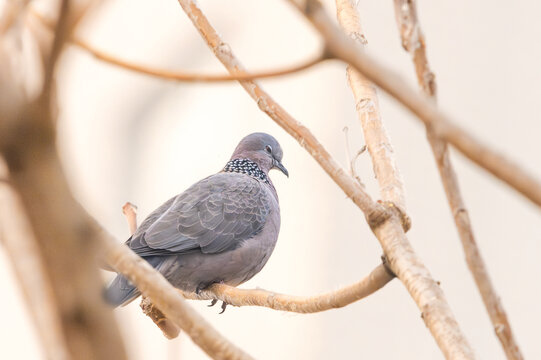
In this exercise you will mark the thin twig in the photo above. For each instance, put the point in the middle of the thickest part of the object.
(130, 212)
(351, 160)
(413, 42)
(386, 223)
(342, 47)
(184, 76)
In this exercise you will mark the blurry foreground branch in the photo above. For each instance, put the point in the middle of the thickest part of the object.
(65, 237)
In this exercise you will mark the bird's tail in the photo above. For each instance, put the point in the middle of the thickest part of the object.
(120, 292)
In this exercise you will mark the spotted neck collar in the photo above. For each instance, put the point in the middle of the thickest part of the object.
(248, 167)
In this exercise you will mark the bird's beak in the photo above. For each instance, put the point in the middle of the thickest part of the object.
(278, 165)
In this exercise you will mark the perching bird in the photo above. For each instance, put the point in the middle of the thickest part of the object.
(222, 229)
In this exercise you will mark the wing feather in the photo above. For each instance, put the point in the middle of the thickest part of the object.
(213, 215)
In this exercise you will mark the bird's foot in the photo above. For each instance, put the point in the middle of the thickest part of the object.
(224, 306)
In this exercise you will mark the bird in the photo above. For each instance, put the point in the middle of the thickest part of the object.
(222, 229)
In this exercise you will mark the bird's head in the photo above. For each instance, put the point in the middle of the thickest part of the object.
(262, 149)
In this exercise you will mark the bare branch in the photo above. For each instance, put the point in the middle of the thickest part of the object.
(386, 223)
(194, 77)
(183, 76)
(65, 235)
(342, 47)
(413, 42)
(378, 278)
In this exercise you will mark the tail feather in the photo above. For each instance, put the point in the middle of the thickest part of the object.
(120, 292)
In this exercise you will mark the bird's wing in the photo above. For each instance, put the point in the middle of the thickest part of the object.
(213, 215)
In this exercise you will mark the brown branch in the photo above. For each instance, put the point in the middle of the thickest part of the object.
(194, 77)
(342, 47)
(413, 42)
(386, 223)
(184, 76)
(170, 301)
(378, 278)
(65, 235)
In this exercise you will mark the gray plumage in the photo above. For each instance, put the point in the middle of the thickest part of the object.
(222, 229)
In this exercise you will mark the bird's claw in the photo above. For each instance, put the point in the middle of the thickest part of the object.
(224, 306)
(213, 302)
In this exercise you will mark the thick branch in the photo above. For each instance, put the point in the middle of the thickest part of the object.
(342, 47)
(387, 226)
(413, 42)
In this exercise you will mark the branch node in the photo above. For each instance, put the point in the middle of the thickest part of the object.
(387, 266)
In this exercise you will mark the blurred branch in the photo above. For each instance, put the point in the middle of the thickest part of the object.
(12, 11)
(194, 77)
(22, 251)
(413, 42)
(340, 46)
(181, 75)
(65, 235)
(60, 34)
(387, 222)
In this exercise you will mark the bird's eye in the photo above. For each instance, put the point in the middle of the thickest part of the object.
(268, 149)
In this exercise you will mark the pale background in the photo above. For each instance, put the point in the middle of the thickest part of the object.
(126, 137)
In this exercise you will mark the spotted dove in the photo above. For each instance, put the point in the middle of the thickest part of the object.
(222, 229)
